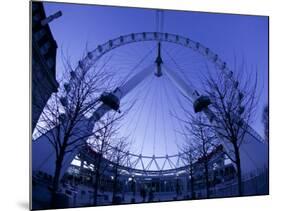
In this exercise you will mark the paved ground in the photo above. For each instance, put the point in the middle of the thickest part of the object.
(84, 197)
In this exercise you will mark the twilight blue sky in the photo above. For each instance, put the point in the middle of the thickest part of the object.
(245, 37)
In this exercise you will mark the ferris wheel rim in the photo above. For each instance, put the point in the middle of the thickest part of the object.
(93, 56)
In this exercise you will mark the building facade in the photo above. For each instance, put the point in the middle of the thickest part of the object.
(44, 49)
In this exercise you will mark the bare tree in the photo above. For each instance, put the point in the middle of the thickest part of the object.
(200, 141)
(119, 158)
(233, 102)
(107, 130)
(63, 118)
(204, 143)
(191, 158)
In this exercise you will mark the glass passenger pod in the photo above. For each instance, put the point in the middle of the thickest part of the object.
(201, 103)
(110, 100)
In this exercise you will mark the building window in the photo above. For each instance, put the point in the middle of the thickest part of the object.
(36, 17)
(34, 6)
(50, 62)
(44, 49)
(38, 35)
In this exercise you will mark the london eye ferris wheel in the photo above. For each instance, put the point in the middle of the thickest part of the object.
(157, 73)
(154, 75)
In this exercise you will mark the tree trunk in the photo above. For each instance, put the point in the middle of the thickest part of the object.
(207, 179)
(114, 191)
(114, 188)
(97, 179)
(56, 178)
(192, 188)
(96, 187)
(239, 173)
(192, 183)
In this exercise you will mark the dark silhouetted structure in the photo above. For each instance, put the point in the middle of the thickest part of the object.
(44, 49)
